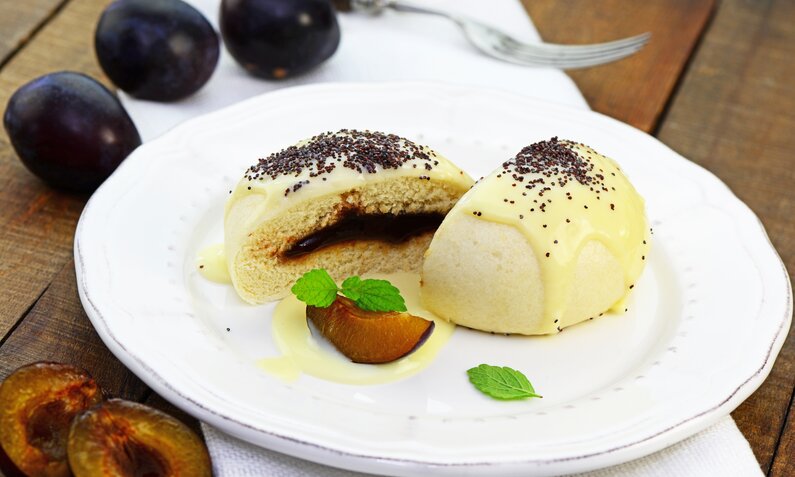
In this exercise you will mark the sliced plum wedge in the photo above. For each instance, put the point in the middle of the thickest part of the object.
(128, 439)
(370, 337)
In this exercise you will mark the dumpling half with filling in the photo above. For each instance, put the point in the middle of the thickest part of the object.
(351, 202)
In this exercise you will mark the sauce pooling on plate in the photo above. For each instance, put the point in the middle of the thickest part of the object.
(211, 263)
(304, 350)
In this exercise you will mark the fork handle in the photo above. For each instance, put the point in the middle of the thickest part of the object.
(367, 6)
(374, 7)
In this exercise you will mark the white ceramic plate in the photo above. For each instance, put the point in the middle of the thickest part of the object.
(706, 321)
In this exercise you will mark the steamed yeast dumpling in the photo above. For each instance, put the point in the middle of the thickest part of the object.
(554, 236)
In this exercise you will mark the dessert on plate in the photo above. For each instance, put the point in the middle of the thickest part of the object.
(351, 202)
(554, 236)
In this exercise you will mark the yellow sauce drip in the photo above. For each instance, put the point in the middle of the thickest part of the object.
(562, 220)
(302, 352)
(211, 263)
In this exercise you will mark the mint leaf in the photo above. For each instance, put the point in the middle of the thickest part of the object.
(351, 287)
(316, 288)
(501, 382)
(373, 295)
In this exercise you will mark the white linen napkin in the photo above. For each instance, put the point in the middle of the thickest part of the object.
(392, 47)
(717, 451)
(414, 47)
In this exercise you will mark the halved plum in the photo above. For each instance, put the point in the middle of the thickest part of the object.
(37, 404)
(369, 337)
(124, 438)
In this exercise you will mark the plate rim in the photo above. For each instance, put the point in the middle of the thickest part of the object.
(628, 451)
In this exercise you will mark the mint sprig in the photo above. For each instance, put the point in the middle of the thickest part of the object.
(502, 383)
(373, 295)
(317, 288)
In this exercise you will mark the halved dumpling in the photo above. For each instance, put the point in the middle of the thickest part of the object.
(351, 202)
(554, 236)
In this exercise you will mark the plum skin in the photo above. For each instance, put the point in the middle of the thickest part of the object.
(161, 50)
(276, 39)
(69, 130)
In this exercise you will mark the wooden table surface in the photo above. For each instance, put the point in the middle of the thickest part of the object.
(715, 84)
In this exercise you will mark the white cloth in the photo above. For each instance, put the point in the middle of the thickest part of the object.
(720, 450)
(392, 47)
(413, 47)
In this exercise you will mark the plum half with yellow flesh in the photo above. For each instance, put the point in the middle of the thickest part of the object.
(37, 404)
(370, 337)
(125, 438)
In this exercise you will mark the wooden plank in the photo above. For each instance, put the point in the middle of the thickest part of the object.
(57, 329)
(734, 114)
(784, 463)
(37, 223)
(634, 90)
(20, 20)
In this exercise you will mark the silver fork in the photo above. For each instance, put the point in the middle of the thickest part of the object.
(499, 45)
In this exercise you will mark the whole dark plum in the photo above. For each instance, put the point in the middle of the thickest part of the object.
(162, 50)
(276, 39)
(69, 130)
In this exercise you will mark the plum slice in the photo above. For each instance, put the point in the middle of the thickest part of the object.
(369, 337)
(37, 404)
(128, 439)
